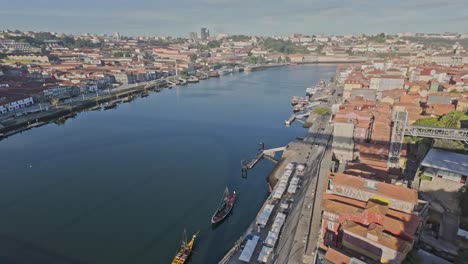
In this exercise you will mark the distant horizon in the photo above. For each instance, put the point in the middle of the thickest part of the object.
(274, 17)
(224, 33)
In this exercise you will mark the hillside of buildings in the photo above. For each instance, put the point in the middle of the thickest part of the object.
(427, 170)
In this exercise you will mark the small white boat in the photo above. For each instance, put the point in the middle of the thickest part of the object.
(294, 100)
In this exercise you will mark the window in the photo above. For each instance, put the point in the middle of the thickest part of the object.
(328, 237)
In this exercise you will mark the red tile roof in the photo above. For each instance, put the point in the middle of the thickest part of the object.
(426, 71)
(383, 189)
(440, 109)
(372, 212)
(336, 257)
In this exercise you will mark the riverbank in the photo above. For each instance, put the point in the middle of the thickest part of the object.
(263, 67)
(295, 206)
(19, 124)
(335, 60)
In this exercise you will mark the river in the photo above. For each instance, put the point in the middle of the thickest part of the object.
(120, 186)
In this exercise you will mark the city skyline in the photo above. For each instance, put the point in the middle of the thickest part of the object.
(142, 17)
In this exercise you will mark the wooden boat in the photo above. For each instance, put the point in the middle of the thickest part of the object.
(185, 249)
(225, 207)
(214, 74)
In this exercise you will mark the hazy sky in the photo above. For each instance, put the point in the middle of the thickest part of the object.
(265, 17)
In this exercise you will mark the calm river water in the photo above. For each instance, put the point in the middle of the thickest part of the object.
(120, 186)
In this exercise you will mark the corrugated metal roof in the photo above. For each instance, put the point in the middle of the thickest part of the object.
(445, 160)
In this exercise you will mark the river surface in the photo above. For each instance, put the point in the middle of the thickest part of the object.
(120, 186)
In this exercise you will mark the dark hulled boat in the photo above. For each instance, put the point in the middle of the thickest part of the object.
(225, 207)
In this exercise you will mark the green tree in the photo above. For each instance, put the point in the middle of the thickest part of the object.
(256, 60)
(239, 38)
(282, 46)
(213, 44)
(54, 101)
(25, 39)
(322, 111)
(451, 120)
(451, 145)
(379, 38)
(430, 121)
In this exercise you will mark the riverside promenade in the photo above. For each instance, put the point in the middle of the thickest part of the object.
(298, 239)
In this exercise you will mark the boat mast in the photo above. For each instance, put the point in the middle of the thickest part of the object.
(184, 239)
(226, 194)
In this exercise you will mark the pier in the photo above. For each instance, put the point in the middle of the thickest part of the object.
(298, 117)
(272, 152)
(171, 83)
(261, 153)
(182, 81)
(290, 120)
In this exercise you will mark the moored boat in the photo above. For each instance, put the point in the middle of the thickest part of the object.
(310, 91)
(303, 101)
(36, 124)
(248, 68)
(223, 72)
(96, 108)
(128, 99)
(193, 79)
(110, 105)
(225, 207)
(185, 249)
(144, 94)
(213, 74)
(294, 100)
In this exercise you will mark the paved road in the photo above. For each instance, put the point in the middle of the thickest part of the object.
(295, 240)
(299, 238)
